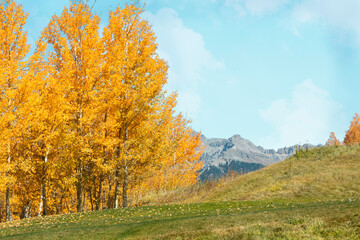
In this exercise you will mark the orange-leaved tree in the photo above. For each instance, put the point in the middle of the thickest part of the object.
(135, 76)
(156, 140)
(352, 136)
(332, 141)
(44, 121)
(76, 57)
(13, 50)
(181, 164)
(85, 118)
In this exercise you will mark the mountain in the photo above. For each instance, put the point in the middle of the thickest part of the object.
(238, 154)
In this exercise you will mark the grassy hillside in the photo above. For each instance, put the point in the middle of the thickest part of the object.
(319, 174)
(313, 196)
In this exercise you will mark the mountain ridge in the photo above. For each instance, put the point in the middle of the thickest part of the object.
(239, 154)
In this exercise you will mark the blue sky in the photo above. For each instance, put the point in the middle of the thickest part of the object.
(277, 72)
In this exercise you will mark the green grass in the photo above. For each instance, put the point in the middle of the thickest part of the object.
(316, 196)
(221, 220)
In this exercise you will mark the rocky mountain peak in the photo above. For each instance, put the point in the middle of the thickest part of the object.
(236, 137)
(238, 151)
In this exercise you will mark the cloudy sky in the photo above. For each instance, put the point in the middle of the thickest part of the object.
(277, 72)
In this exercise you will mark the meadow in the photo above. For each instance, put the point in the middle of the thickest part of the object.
(314, 195)
(222, 220)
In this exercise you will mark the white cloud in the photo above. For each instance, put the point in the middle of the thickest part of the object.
(259, 7)
(237, 5)
(186, 54)
(342, 15)
(308, 116)
(189, 103)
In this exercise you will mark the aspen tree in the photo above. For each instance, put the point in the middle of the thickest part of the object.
(180, 164)
(135, 77)
(154, 142)
(76, 57)
(332, 141)
(13, 50)
(352, 136)
(44, 122)
(176, 152)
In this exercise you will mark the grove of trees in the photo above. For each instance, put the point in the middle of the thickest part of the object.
(85, 121)
(352, 136)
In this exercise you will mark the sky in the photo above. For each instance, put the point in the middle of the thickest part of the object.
(277, 72)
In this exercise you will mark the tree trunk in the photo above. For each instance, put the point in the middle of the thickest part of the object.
(9, 216)
(79, 192)
(126, 172)
(43, 200)
(98, 198)
(109, 199)
(59, 206)
(117, 186)
(125, 187)
(79, 185)
(43, 197)
(90, 192)
(25, 213)
(165, 180)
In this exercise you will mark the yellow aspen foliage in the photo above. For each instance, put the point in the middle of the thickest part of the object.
(134, 76)
(85, 119)
(174, 156)
(76, 57)
(13, 50)
(352, 136)
(332, 141)
(43, 126)
(157, 147)
(181, 164)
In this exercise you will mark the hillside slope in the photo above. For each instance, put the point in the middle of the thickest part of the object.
(320, 173)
